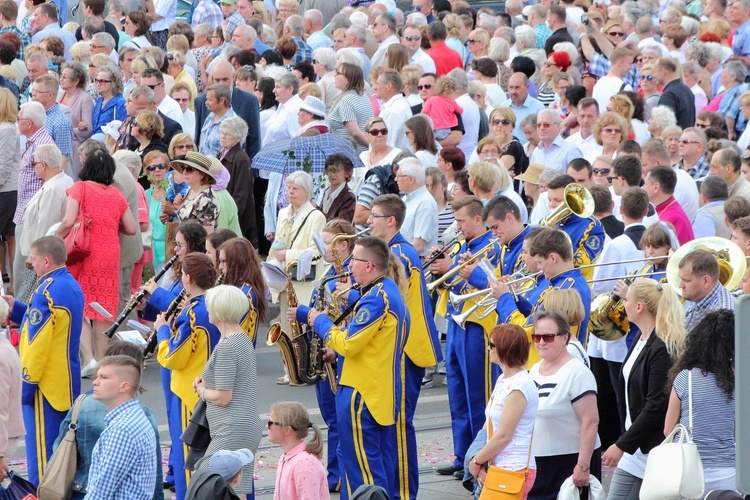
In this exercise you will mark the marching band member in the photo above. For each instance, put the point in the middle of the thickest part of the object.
(214, 241)
(50, 333)
(701, 289)
(422, 344)
(367, 400)
(184, 347)
(239, 264)
(469, 371)
(586, 234)
(503, 218)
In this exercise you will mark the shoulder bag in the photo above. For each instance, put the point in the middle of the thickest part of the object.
(675, 470)
(58, 478)
(78, 240)
(503, 484)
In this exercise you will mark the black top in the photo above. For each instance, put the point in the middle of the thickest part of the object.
(558, 36)
(678, 96)
(515, 149)
(612, 226)
(109, 28)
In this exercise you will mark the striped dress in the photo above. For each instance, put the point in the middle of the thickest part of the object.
(235, 426)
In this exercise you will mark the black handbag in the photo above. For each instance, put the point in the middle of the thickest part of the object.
(196, 435)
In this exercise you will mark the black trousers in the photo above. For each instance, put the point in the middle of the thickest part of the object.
(606, 403)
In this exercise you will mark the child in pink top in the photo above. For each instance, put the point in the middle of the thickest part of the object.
(300, 474)
(442, 108)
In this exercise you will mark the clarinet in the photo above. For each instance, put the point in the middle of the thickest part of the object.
(151, 343)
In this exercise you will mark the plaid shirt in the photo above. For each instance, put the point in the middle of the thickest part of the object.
(304, 52)
(234, 21)
(542, 33)
(25, 39)
(699, 171)
(599, 66)
(61, 130)
(28, 182)
(718, 298)
(730, 106)
(122, 462)
(207, 12)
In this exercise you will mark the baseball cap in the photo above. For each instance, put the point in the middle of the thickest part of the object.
(228, 463)
(524, 16)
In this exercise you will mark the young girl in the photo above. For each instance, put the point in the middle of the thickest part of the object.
(442, 108)
(300, 473)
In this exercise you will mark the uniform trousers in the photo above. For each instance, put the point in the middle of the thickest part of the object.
(178, 420)
(471, 378)
(407, 467)
(42, 427)
(166, 382)
(327, 404)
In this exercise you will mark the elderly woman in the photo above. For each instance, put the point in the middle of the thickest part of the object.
(111, 104)
(528, 126)
(565, 431)
(98, 273)
(487, 179)
(233, 131)
(499, 52)
(311, 118)
(671, 138)
(73, 84)
(650, 89)
(283, 125)
(353, 109)
(380, 153)
(324, 63)
(478, 43)
(148, 131)
(609, 130)
(661, 118)
(219, 105)
(338, 201)
(691, 75)
(199, 202)
(744, 141)
(176, 70)
(184, 96)
(421, 137)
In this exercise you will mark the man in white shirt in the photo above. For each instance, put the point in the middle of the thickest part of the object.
(411, 38)
(686, 191)
(588, 113)
(470, 115)
(553, 151)
(154, 79)
(621, 60)
(384, 30)
(420, 224)
(396, 109)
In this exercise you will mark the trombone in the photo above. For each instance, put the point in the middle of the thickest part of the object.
(435, 284)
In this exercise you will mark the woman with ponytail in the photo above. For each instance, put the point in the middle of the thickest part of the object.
(300, 473)
(642, 398)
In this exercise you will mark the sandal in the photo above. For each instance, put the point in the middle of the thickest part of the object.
(282, 380)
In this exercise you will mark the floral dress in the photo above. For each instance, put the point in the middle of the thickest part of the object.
(204, 208)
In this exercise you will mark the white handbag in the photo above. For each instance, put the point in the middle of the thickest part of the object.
(675, 469)
(569, 491)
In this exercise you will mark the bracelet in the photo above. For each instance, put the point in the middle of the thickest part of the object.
(203, 394)
(584, 468)
(480, 464)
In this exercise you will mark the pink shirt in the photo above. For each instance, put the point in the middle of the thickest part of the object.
(671, 211)
(442, 110)
(300, 476)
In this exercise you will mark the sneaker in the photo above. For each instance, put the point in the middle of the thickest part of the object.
(449, 470)
(427, 382)
(445, 381)
(89, 369)
(441, 368)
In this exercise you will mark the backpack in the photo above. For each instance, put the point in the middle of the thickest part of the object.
(386, 177)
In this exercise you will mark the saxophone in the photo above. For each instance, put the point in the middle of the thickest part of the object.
(336, 307)
(302, 356)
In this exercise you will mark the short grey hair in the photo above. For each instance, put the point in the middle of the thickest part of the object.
(461, 79)
(552, 114)
(35, 112)
(49, 154)
(691, 68)
(339, 21)
(548, 174)
(715, 51)
(652, 49)
(296, 24)
(359, 32)
(663, 116)
(39, 58)
(105, 39)
(204, 29)
(221, 93)
(325, 56)
(350, 55)
(488, 22)
(413, 168)
(388, 20)
(714, 188)
(417, 19)
(130, 159)
(698, 51)
(359, 19)
(289, 80)
(234, 126)
(142, 90)
(737, 70)
(303, 180)
(527, 35)
(499, 49)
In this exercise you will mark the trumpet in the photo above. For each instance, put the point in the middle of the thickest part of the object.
(439, 255)
(438, 282)
(483, 308)
(456, 300)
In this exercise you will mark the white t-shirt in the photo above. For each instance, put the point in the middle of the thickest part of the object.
(470, 117)
(558, 427)
(605, 88)
(515, 455)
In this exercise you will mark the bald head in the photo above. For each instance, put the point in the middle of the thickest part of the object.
(518, 88)
(224, 73)
(313, 20)
(243, 37)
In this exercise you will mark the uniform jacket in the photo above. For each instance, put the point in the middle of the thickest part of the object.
(587, 235)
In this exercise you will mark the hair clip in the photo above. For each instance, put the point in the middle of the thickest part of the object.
(309, 425)
(659, 287)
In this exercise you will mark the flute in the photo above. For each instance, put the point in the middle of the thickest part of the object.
(109, 332)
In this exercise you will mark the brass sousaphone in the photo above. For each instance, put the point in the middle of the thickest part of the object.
(731, 259)
(576, 200)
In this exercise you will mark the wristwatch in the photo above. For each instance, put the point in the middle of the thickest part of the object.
(584, 468)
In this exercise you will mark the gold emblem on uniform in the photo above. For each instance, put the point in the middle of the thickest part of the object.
(35, 316)
(363, 316)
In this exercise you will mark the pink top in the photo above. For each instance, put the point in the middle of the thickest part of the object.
(442, 110)
(671, 211)
(300, 476)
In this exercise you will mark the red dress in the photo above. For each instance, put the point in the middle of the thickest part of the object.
(99, 273)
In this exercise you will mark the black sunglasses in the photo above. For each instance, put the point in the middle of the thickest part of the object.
(427, 86)
(160, 166)
(378, 131)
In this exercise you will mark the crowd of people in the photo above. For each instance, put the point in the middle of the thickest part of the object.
(511, 168)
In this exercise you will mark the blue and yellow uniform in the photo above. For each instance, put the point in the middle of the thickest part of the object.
(511, 254)
(184, 349)
(470, 374)
(369, 388)
(249, 321)
(50, 335)
(422, 350)
(587, 237)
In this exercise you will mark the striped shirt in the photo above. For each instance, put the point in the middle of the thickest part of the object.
(350, 107)
(28, 182)
(718, 298)
(445, 219)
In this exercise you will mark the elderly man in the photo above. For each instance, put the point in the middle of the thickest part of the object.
(154, 79)
(470, 116)
(726, 164)
(316, 37)
(294, 26)
(384, 30)
(103, 43)
(732, 76)
(420, 225)
(244, 37)
(219, 105)
(395, 110)
(356, 38)
(660, 184)
(257, 25)
(94, 9)
(50, 333)
(37, 65)
(45, 23)
(676, 94)
(692, 148)
(140, 98)
(588, 113)
(411, 38)
(44, 91)
(709, 221)
(553, 151)
(701, 289)
(425, 7)
(521, 102)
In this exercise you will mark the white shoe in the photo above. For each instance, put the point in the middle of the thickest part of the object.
(89, 369)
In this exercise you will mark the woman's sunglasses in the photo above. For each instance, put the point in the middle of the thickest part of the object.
(160, 166)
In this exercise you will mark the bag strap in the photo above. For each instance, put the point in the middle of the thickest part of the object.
(490, 431)
(690, 401)
(76, 409)
(302, 225)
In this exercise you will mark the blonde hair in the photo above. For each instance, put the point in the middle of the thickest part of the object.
(179, 43)
(397, 272)
(8, 106)
(446, 86)
(610, 118)
(567, 302)
(453, 23)
(81, 52)
(486, 175)
(662, 302)
(8, 72)
(293, 414)
(312, 89)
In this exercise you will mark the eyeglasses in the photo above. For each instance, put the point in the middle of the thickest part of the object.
(37, 92)
(179, 245)
(547, 64)
(544, 126)
(649, 78)
(185, 146)
(402, 176)
(67, 77)
(687, 141)
(99, 81)
(160, 166)
(315, 61)
(601, 171)
(97, 47)
(491, 345)
(427, 86)
(616, 33)
(547, 337)
(35, 163)
(638, 59)
(378, 131)
(412, 38)
(375, 25)
(612, 131)
(501, 122)
(181, 99)
(153, 87)
(271, 423)
(379, 216)
(471, 41)
(416, 8)
(359, 260)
